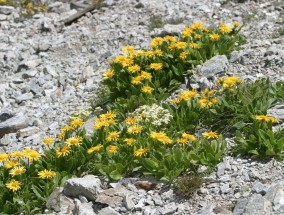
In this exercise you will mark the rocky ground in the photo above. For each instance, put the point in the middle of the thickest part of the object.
(49, 70)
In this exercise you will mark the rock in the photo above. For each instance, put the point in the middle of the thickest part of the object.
(278, 201)
(24, 97)
(89, 126)
(114, 196)
(50, 70)
(3, 17)
(88, 186)
(168, 29)
(168, 209)
(8, 139)
(27, 131)
(214, 66)
(277, 112)
(29, 74)
(129, 204)
(256, 204)
(157, 200)
(13, 124)
(220, 169)
(58, 202)
(83, 208)
(107, 211)
(6, 9)
(225, 188)
(259, 188)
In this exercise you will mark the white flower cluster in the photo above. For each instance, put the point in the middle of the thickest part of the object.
(154, 114)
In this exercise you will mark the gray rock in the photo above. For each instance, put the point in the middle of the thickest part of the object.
(24, 97)
(89, 126)
(277, 112)
(88, 186)
(13, 124)
(6, 9)
(214, 66)
(225, 188)
(27, 131)
(83, 208)
(259, 188)
(3, 17)
(256, 204)
(167, 29)
(129, 204)
(108, 211)
(168, 209)
(279, 201)
(29, 74)
(50, 70)
(220, 169)
(114, 196)
(157, 200)
(58, 202)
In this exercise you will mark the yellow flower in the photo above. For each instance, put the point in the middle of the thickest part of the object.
(197, 36)
(112, 149)
(66, 128)
(11, 163)
(73, 141)
(211, 135)
(183, 140)
(130, 120)
(174, 101)
(197, 25)
(134, 68)
(225, 28)
(48, 140)
(31, 154)
(128, 49)
(187, 95)
(158, 52)
(266, 118)
(103, 122)
(108, 74)
(135, 129)
(157, 41)
(123, 60)
(13, 185)
(178, 45)
(214, 36)
(187, 32)
(229, 82)
(170, 39)
(147, 89)
(137, 80)
(108, 115)
(156, 66)
(4, 157)
(18, 170)
(129, 141)
(205, 103)
(17, 154)
(215, 101)
(189, 137)
(145, 75)
(113, 136)
(183, 55)
(46, 174)
(95, 149)
(77, 122)
(161, 137)
(236, 24)
(140, 152)
(64, 151)
(194, 45)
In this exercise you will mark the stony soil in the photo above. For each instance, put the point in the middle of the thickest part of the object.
(48, 70)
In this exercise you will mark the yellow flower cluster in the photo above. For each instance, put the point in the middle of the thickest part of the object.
(225, 28)
(105, 120)
(161, 137)
(185, 138)
(207, 99)
(266, 118)
(113, 136)
(45, 174)
(229, 82)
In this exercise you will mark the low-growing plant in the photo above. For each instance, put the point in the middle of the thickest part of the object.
(186, 185)
(164, 67)
(259, 140)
